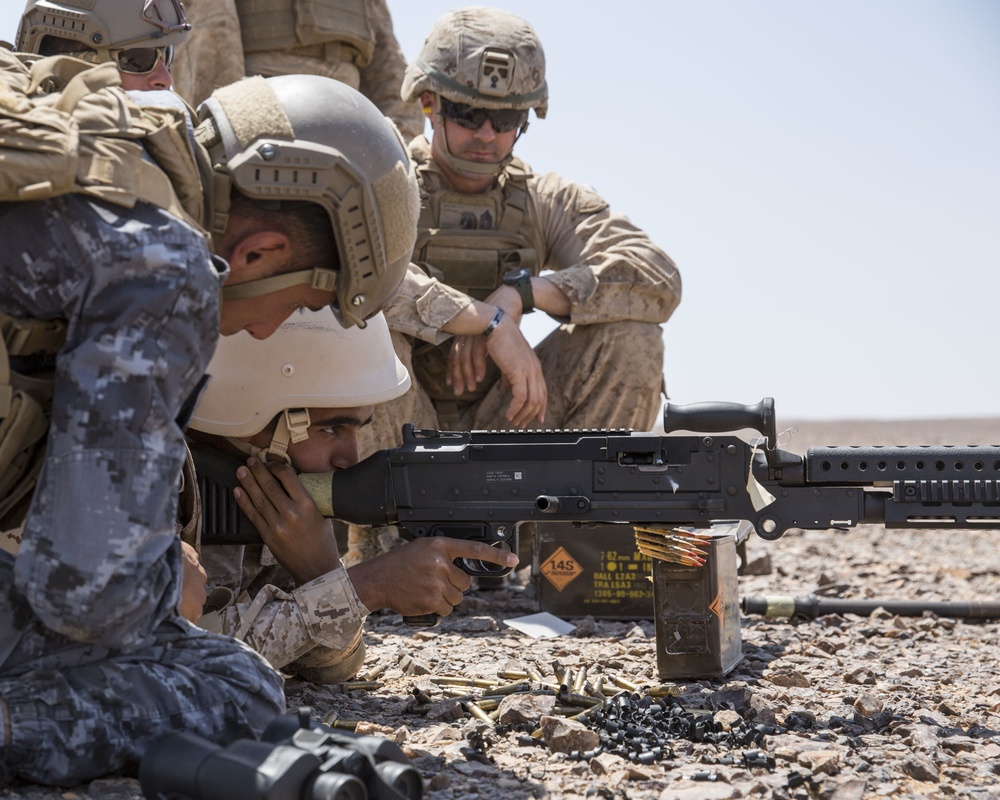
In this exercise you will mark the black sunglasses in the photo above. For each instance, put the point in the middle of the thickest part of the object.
(142, 60)
(502, 119)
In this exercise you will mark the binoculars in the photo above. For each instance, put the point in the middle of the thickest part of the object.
(296, 758)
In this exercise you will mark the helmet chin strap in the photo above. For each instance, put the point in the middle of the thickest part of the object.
(493, 168)
(293, 426)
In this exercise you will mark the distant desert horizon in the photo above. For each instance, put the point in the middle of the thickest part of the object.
(810, 433)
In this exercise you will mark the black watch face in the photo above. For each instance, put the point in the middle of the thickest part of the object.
(517, 276)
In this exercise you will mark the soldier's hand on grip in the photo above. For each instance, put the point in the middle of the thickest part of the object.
(421, 577)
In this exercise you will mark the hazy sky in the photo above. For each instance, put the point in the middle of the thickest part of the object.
(826, 175)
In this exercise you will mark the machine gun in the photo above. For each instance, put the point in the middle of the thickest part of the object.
(482, 485)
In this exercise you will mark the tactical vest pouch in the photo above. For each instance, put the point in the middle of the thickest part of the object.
(66, 126)
(39, 144)
(25, 403)
(287, 24)
(22, 450)
(473, 261)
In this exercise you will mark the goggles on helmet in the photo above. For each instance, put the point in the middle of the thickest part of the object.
(142, 60)
(472, 118)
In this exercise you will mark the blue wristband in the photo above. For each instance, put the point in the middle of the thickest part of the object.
(495, 322)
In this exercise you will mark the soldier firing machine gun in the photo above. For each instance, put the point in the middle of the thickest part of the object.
(483, 485)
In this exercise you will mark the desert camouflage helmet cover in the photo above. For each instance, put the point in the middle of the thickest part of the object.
(103, 25)
(311, 361)
(483, 57)
(310, 138)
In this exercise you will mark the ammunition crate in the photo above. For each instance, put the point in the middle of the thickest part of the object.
(591, 569)
(697, 611)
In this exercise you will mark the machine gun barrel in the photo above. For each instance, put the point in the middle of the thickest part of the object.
(811, 607)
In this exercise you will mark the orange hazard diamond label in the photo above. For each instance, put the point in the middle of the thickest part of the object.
(717, 606)
(560, 568)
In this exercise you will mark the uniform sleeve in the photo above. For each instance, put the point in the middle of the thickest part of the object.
(283, 626)
(423, 305)
(608, 268)
(212, 54)
(382, 78)
(99, 560)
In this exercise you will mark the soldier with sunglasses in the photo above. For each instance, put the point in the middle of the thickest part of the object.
(497, 241)
(141, 44)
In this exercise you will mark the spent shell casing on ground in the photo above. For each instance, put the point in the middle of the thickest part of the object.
(510, 688)
(421, 695)
(456, 692)
(473, 708)
(663, 690)
(457, 680)
(587, 711)
(332, 721)
(622, 683)
(582, 700)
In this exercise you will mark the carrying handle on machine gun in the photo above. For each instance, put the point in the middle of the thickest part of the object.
(723, 417)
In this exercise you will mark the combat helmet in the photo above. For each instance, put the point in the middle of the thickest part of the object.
(311, 138)
(481, 57)
(104, 26)
(311, 361)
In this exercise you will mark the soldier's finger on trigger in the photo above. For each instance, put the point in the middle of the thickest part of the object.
(495, 555)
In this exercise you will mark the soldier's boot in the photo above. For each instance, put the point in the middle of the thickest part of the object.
(365, 543)
(325, 665)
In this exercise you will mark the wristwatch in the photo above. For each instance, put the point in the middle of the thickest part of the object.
(520, 279)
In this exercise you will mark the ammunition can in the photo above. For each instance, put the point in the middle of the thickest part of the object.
(591, 569)
(697, 613)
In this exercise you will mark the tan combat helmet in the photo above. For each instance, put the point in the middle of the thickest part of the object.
(310, 138)
(311, 361)
(104, 26)
(480, 57)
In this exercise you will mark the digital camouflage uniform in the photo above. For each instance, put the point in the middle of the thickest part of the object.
(351, 41)
(94, 658)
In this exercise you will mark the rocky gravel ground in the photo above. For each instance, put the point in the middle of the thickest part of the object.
(842, 707)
